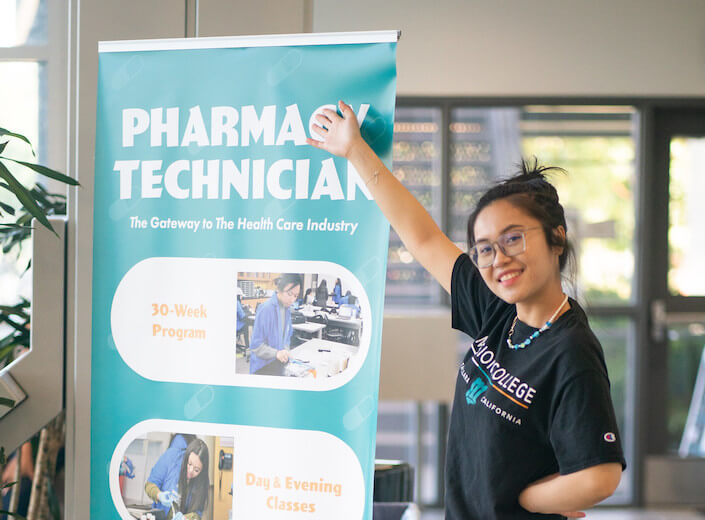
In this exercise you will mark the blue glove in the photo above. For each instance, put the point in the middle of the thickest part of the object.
(127, 469)
(167, 497)
(178, 516)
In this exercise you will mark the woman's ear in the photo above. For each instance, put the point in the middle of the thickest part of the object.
(559, 238)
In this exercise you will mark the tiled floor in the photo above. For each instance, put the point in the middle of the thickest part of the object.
(611, 514)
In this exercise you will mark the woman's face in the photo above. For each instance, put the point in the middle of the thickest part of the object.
(289, 295)
(528, 276)
(194, 466)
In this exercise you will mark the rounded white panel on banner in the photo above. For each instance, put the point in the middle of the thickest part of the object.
(175, 320)
(277, 473)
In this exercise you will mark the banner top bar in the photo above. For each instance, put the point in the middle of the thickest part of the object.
(271, 40)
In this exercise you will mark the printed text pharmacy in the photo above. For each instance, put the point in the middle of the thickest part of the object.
(224, 178)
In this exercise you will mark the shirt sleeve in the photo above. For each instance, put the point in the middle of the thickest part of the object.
(262, 329)
(159, 471)
(583, 429)
(470, 297)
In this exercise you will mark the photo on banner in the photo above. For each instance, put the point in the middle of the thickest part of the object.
(316, 335)
(165, 473)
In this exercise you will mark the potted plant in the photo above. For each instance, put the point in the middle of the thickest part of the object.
(15, 228)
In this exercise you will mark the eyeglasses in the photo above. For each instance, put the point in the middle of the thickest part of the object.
(511, 243)
(291, 293)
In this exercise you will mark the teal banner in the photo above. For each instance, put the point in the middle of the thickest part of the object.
(238, 279)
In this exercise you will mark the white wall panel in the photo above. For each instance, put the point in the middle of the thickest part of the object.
(537, 47)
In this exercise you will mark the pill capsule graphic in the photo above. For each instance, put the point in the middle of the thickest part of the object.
(354, 417)
(198, 402)
(127, 72)
(285, 67)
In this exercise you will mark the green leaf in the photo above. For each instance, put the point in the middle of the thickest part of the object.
(25, 197)
(19, 327)
(3, 145)
(47, 172)
(12, 514)
(7, 346)
(8, 209)
(14, 310)
(9, 484)
(17, 136)
(24, 220)
(4, 401)
(13, 226)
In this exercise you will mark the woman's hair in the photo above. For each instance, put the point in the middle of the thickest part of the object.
(287, 279)
(321, 294)
(529, 191)
(338, 282)
(199, 486)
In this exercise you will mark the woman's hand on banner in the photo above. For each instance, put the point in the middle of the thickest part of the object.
(340, 134)
(283, 356)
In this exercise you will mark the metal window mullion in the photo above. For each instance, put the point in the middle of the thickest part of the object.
(56, 102)
(25, 53)
(445, 181)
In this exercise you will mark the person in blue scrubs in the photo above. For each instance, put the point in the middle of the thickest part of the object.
(178, 482)
(241, 315)
(338, 297)
(272, 331)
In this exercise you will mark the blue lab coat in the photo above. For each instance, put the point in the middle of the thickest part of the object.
(240, 316)
(267, 329)
(165, 473)
(338, 298)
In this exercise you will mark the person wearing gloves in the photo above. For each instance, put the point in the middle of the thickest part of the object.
(272, 331)
(533, 432)
(172, 476)
(180, 486)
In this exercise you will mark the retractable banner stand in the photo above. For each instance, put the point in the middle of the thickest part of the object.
(238, 279)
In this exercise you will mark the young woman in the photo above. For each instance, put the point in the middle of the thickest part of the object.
(272, 331)
(321, 294)
(533, 432)
(309, 297)
(178, 483)
(338, 297)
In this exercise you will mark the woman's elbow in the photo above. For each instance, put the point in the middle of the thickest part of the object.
(604, 480)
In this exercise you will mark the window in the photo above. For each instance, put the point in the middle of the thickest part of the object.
(23, 39)
(417, 163)
(686, 230)
(33, 57)
(448, 153)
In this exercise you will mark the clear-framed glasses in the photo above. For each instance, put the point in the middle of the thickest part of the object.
(511, 243)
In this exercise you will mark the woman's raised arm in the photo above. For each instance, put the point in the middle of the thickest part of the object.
(417, 230)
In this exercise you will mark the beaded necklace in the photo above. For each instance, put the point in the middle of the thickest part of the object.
(536, 334)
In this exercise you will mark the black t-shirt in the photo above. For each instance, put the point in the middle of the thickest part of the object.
(520, 415)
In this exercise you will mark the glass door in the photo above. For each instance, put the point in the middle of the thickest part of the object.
(675, 438)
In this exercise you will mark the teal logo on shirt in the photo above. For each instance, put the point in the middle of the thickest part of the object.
(477, 388)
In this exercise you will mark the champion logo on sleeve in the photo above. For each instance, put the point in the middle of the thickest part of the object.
(610, 437)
